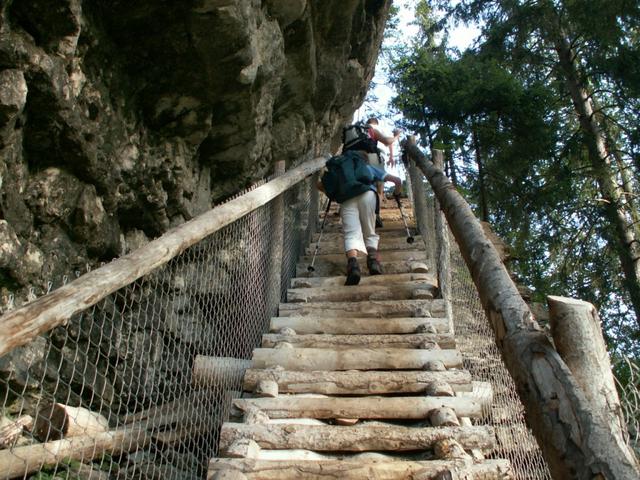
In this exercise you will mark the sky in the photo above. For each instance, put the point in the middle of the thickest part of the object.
(460, 37)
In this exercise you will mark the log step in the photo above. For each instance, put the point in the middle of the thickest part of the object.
(386, 279)
(336, 236)
(329, 269)
(386, 244)
(357, 382)
(374, 308)
(416, 340)
(396, 408)
(335, 263)
(361, 469)
(391, 226)
(308, 359)
(361, 293)
(359, 326)
(392, 256)
(357, 438)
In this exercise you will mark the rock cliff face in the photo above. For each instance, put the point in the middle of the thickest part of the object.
(119, 119)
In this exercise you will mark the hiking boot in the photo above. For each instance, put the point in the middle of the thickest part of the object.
(373, 263)
(379, 223)
(353, 271)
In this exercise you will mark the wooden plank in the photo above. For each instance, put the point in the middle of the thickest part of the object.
(393, 227)
(386, 244)
(19, 326)
(333, 233)
(363, 469)
(335, 263)
(416, 340)
(392, 256)
(324, 269)
(360, 293)
(294, 406)
(354, 325)
(373, 308)
(352, 359)
(357, 438)
(357, 382)
(385, 279)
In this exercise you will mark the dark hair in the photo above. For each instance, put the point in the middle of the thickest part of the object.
(372, 121)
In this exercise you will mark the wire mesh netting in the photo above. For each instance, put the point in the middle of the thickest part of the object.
(138, 385)
(475, 339)
(481, 357)
(629, 390)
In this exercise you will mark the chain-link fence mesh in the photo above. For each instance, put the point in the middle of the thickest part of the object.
(629, 390)
(475, 340)
(137, 386)
(481, 357)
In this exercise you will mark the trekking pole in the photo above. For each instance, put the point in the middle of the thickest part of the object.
(324, 219)
(410, 238)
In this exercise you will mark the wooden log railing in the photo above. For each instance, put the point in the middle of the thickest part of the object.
(20, 326)
(575, 438)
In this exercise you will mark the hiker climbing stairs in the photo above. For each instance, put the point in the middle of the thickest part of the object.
(364, 382)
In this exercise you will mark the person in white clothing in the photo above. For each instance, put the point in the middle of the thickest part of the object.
(377, 160)
(358, 217)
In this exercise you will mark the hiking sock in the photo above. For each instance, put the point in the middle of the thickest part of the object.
(353, 271)
(373, 262)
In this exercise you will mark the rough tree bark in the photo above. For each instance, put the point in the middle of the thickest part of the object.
(575, 440)
(577, 335)
(624, 241)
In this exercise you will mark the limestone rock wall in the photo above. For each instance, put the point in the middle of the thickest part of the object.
(120, 119)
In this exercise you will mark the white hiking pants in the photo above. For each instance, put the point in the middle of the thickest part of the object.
(358, 216)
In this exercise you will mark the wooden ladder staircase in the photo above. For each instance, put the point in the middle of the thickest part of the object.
(360, 382)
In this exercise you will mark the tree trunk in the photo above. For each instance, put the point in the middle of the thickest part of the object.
(629, 187)
(624, 241)
(450, 167)
(575, 440)
(482, 194)
(577, 335)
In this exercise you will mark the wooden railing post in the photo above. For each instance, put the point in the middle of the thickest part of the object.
(443, 249)
(418, 196)
(277, 239)
(575, 439)
(314, 202)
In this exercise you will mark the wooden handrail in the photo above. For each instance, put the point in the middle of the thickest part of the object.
(576, 441)
(19, 326)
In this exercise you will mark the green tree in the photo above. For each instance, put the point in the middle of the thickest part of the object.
(542, 114)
